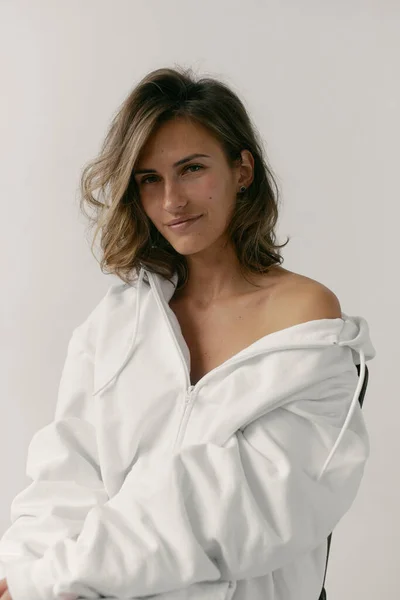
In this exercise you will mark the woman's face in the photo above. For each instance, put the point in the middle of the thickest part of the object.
(203, 185)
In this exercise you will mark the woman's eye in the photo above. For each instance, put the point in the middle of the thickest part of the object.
(191, 166)
(145, 179)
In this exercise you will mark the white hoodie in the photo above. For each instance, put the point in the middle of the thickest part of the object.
(146, 485)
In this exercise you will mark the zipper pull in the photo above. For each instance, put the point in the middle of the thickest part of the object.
(188, 393)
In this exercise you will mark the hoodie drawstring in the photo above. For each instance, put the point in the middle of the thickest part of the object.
(133, 338)
(349, 414)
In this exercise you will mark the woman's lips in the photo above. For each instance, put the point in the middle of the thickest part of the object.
(184, 224)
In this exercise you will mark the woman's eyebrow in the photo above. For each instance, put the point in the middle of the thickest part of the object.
(176, 164)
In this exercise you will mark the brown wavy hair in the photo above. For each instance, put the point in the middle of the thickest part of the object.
(129, 239)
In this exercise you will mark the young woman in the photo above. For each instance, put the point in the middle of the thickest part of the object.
(207, 435)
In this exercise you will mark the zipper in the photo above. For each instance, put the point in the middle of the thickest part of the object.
(189, 396)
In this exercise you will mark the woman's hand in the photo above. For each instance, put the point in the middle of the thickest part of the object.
(4, 593)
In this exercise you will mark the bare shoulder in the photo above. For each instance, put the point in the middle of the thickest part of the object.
(300, 299)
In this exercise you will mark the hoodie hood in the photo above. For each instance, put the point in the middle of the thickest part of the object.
(350, 330)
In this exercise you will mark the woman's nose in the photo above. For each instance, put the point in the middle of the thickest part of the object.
(172, 198)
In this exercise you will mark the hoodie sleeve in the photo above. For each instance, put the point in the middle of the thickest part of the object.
(220, 512)
(63, 464)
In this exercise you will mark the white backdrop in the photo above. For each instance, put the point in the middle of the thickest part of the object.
(320, 80)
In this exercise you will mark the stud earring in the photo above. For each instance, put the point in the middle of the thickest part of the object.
(242, 189)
